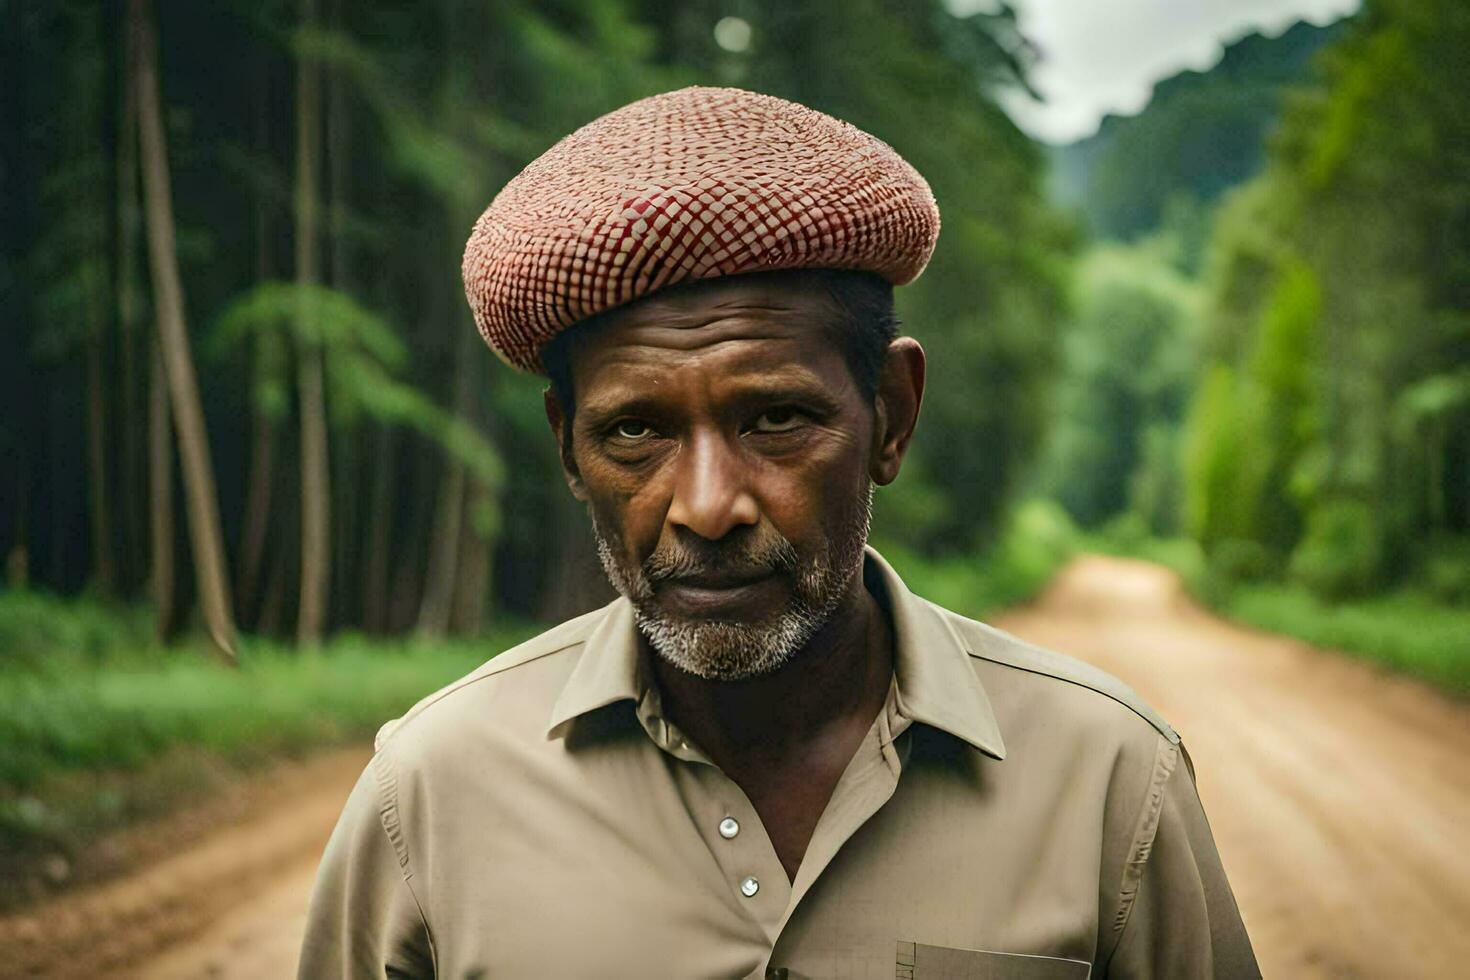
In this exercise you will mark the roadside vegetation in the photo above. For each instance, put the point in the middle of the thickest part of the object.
(1266, 381)
(101, 727)
(1412, 629)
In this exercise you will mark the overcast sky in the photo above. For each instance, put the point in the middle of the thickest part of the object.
(1101, 56)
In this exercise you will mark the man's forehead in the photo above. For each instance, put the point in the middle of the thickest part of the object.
(778, 296)
(760, 322)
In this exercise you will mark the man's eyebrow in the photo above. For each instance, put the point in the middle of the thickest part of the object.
(792, 389)
(596, 412)
(599, 411)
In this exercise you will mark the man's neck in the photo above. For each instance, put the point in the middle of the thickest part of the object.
(840, 678)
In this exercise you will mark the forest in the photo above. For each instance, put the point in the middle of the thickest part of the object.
(262, 485)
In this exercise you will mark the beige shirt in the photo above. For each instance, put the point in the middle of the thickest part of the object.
(1012, 813)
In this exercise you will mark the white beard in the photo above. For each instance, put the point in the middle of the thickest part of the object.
(730, 651)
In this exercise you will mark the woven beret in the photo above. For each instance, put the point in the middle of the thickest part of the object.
(688, 185)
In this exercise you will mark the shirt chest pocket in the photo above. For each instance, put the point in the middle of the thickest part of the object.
(917, 961)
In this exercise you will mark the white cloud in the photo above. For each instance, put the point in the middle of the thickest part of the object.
(1102, 56)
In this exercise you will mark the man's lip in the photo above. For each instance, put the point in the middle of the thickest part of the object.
(716, 583)
(720, 596)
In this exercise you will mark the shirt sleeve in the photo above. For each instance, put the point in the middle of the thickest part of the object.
(364, 919)
(1182, 920)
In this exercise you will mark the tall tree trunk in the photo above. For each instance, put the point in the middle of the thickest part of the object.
(98, 499)
(347, 446)
(444, 547)
(438, 600)
(315, 481)
(86, 83)
(127, 309)
(472, 589)
(161, 498)
(183, 387)
(472, 586)
(379, 533)
(257, 506)
(18, 558)
(406, 589)
(260, 482)
(272, 606)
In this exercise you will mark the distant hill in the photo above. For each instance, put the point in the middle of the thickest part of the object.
(1201, 133)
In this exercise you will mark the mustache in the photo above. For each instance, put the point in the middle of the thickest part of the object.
(769, 552)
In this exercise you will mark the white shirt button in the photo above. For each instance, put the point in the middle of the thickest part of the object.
(729, 827)
(750, 886)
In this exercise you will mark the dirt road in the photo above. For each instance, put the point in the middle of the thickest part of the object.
(1340, 799)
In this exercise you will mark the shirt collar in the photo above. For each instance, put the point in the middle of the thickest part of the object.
(935, 681)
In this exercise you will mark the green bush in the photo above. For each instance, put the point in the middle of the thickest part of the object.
(1445, 570)
(1340, 554)
(1037, 538)
(1413, 632)
(86, 748)
(39, 630)
(1405, 631)
(1239, 560)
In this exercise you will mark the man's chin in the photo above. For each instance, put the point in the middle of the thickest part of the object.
(720, 650)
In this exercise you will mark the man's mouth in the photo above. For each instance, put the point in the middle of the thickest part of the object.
(719, 591)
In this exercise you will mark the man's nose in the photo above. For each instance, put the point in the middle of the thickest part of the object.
(711, 490)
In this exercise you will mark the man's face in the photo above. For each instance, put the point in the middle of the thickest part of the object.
(725, 453)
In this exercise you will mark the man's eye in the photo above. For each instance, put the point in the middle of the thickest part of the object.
(632, 430)
(777, 420)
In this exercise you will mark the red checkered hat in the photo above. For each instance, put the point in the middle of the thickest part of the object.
(688, 185)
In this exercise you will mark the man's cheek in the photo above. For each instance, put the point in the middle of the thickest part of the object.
(630, 529)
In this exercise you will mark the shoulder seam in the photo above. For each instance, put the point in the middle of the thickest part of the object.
(1167, 732)
(1157, 723)
(491, 670)
(497, 664)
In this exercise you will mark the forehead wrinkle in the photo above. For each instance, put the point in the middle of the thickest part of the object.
(728, 368)
(645, 345)
(680, 341)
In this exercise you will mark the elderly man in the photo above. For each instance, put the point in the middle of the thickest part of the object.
(768, 757)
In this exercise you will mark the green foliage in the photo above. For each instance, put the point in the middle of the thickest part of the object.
(362, 353)
(42, 630)
(68, 262)
(1037, 539)
(1408, 631)
(140, 709)
(1126, 370)
(1340, 554)
(1445, 570)
(1404, 631)
(1222, 473)
(1337, 283)
(1240, 560)
(1280, 376)
(1201, 134)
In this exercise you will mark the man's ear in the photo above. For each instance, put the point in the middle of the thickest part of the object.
(896, 408)
(559, 428)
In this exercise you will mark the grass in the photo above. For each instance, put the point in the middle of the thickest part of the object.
(1405, 631)
(101, 727)
(95, 734)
